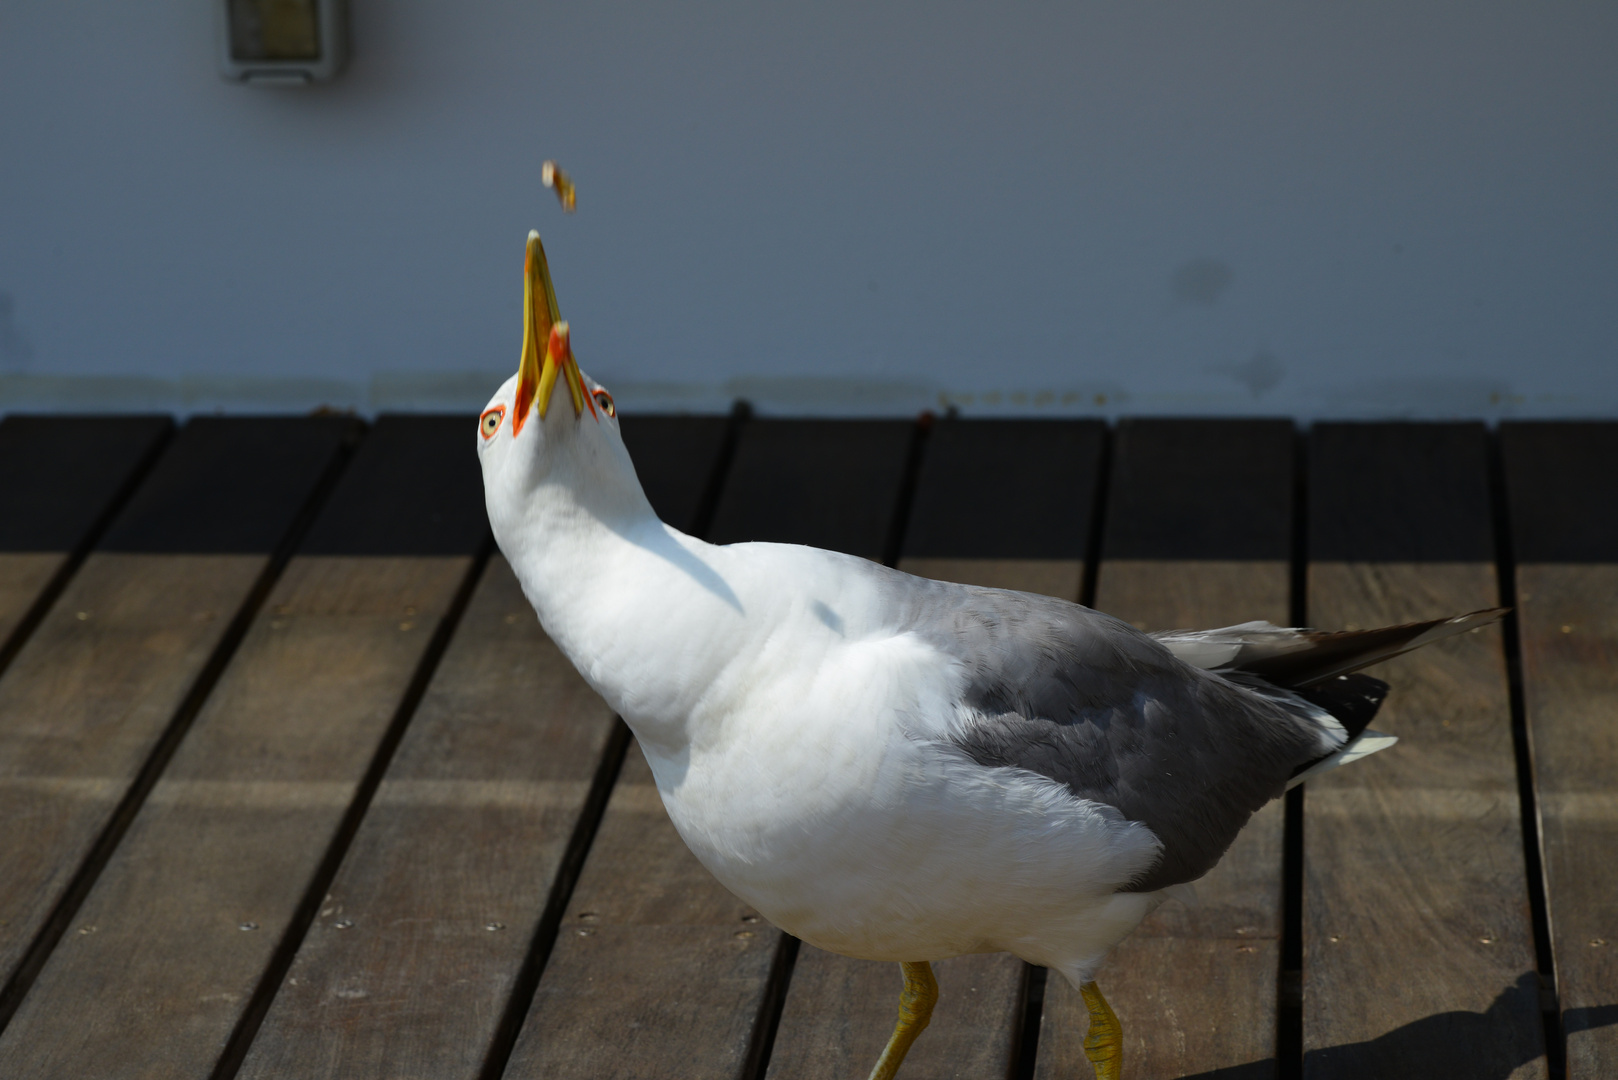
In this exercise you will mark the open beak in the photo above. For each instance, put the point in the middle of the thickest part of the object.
(546, 348)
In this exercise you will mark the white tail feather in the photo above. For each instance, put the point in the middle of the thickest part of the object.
(1368, 743)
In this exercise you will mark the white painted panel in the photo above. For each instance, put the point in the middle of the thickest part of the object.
(1403, 207)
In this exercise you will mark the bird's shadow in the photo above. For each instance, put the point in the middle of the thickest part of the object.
(1458, 1045)
(661, 542)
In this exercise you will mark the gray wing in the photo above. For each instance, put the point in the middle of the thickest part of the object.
(1110, 713)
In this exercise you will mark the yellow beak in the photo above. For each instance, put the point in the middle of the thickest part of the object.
(536, 377)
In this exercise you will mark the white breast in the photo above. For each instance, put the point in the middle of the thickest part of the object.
(831, 802)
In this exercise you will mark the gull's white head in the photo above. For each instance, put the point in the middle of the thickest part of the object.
(561, 459)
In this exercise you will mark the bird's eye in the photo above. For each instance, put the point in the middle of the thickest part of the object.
(489, 423)
(604, 400)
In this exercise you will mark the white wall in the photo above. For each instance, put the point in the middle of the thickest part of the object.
(1390, 207)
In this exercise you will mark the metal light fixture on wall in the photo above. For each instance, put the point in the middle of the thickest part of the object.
(282, 42)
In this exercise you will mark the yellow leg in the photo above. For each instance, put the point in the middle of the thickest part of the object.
(915, 1009)
(1104, 1046)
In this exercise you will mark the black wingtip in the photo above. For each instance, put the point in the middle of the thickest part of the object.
(1353, 699)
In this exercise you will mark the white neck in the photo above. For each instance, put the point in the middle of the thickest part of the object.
(638, 606)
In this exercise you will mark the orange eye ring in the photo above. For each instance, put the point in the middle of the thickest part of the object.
(489, 422)
(604, 400)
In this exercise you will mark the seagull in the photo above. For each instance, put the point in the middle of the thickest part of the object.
(896, 768)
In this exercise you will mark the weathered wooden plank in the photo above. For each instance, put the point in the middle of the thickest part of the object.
(675, 458)
(24, 575)
(1562, 490)
(1197, 533)
(826, 483)
(839, 1012)
(415, 489)
(1043, 477)
(1209, 490)
(99, 682)
(1418, 940)
(59, 476)
(456, 866)
(658, 970)
(169, 947)
(448, 877)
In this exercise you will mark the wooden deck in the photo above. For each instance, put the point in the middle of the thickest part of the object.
(293, 785)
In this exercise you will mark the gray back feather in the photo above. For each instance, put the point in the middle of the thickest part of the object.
(1112, 715)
